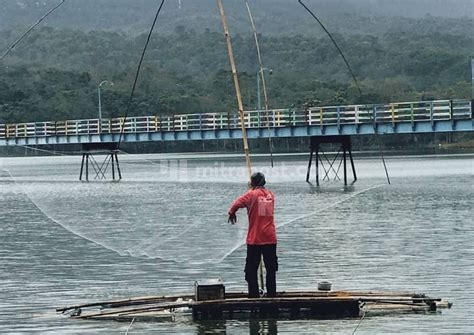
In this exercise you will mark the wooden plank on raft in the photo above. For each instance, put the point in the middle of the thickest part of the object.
(125, 311)
(387, 308)
(293, 304)
(234, 295)
(125, 302)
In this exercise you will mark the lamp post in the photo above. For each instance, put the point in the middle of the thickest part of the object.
(472, 80)
(98, 94)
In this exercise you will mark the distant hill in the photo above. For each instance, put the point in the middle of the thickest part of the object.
(400, 50)
(273, 17)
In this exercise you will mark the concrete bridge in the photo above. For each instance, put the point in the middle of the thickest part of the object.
(393, 118)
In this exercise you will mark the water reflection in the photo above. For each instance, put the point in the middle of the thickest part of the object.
(263, 327)
(335, 188)
(211, 327)
(255, 326)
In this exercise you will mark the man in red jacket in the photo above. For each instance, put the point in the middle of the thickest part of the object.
(261, 235)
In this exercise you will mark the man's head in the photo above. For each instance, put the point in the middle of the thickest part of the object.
(257, 180)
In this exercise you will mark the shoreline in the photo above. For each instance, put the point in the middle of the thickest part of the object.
(258, 156)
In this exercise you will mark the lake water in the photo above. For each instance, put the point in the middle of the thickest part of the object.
(63, 242)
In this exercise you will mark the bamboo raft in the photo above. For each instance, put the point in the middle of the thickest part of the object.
(286, 305)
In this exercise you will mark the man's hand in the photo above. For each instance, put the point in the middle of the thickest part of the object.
(232, 218)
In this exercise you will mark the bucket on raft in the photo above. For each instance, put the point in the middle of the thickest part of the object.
(324, 285)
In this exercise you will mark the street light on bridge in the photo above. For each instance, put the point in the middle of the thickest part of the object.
(98, 94)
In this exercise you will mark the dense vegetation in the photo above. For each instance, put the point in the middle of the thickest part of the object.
(54, 74)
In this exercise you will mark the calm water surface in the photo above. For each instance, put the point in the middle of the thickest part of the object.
(64, 242)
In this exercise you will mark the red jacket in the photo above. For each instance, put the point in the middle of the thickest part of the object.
(260, 204)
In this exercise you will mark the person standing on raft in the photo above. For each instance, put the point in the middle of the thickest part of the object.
(261, 235)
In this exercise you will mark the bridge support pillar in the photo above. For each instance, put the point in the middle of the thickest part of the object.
(100, 168)
(331, 166)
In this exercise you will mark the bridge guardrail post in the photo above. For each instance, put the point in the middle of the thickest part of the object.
(374, 117)
(451, 111)
(338, 115)
(392, 107)
(472, 108)
(431, 114)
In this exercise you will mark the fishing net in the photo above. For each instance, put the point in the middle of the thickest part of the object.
(155, 212)
(167, 208)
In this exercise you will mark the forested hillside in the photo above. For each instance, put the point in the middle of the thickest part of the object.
(54, 73)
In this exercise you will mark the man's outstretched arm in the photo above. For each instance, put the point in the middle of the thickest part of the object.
(240, 202)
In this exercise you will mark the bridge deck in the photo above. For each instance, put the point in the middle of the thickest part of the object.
(393, 118)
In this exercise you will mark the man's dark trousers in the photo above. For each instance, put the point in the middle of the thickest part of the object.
(254, 254)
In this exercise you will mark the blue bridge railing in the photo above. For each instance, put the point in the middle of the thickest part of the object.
(339, 116)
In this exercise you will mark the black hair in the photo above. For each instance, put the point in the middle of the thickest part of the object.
(257, 180)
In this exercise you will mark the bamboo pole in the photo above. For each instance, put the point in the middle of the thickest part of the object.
(237, 88)
(240, 105)
(129, 301)
(245, 304)
(236, 295)
(262, 77)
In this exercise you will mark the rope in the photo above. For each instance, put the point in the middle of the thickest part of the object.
(353, 77)
(265, 97)
(57, 153)
(238, 95)
(130, 326)
(137, 74)
(335, 44)
(262, 76)
(30, 29)
(362, 317)
(178, 169)
(304, 216)
(383, 159)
